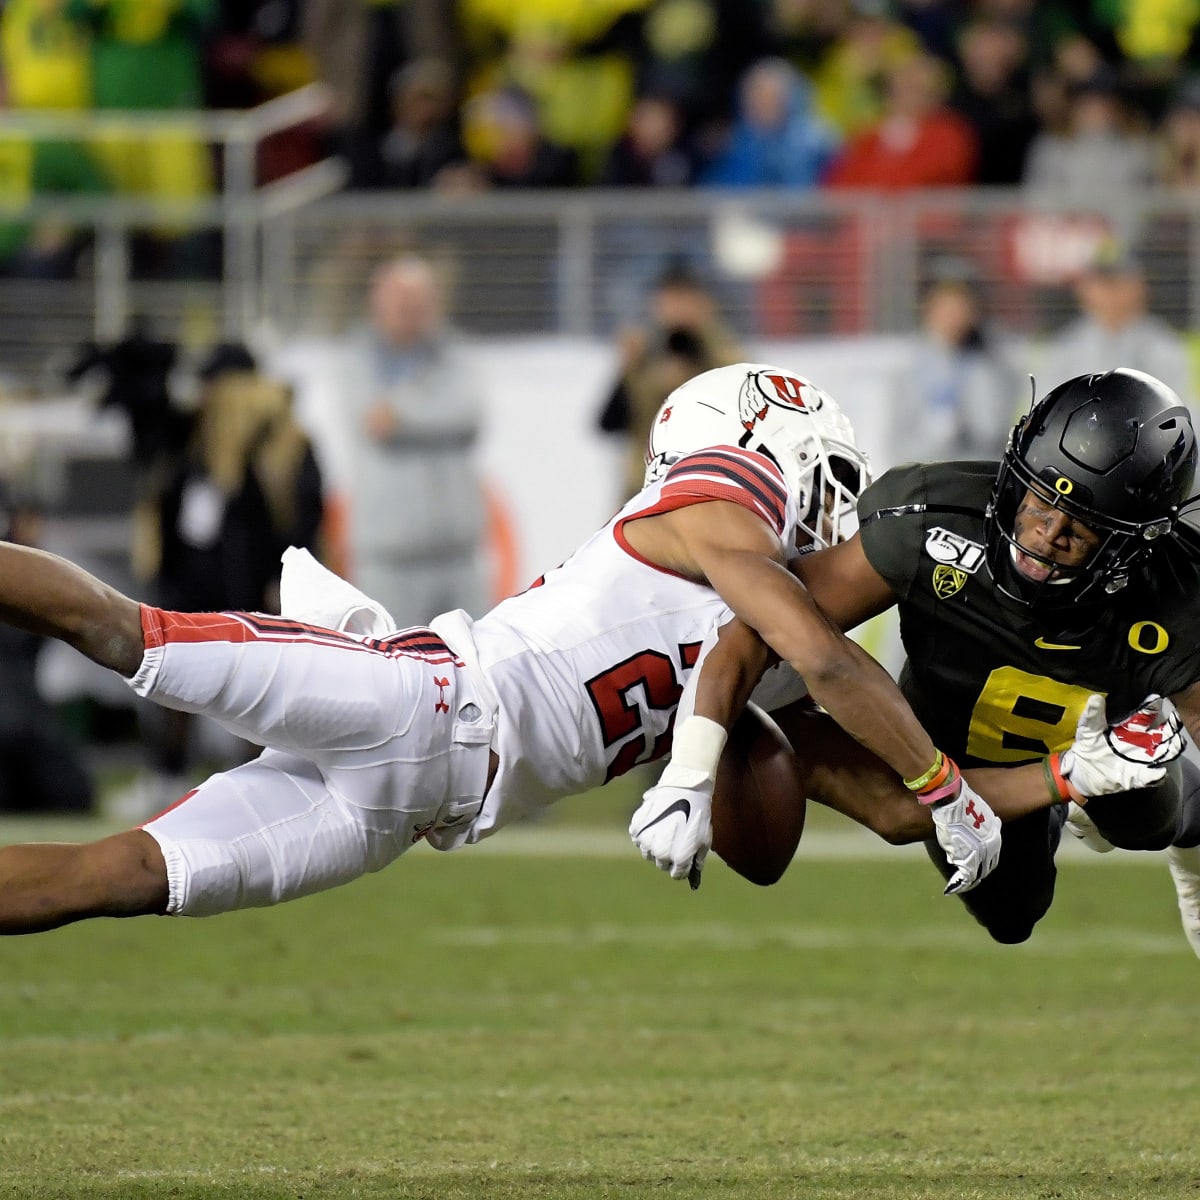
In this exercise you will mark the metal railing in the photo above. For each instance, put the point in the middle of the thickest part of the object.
(782, 265)
(237, 210)
(297, 258)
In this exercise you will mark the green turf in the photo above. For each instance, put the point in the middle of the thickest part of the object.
(484, 1025)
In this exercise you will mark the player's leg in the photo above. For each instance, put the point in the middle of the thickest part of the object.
(264, 832)
(1151, 819)
(47, 884)
(1019, 892)
(1183, 855)
(1148, 818)
(268, 831)
(294, 687)
(392, 749)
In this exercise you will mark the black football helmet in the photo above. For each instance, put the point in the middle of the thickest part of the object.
(1117, 452)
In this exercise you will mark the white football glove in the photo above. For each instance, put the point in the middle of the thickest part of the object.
(1131, 754)
(672, 827)
(969, 833)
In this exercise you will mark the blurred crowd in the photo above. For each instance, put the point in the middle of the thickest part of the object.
(472, 94)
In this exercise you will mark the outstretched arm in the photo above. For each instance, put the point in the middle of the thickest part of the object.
(742, 560)
(45, 594)
(739, 556)
(843, 584)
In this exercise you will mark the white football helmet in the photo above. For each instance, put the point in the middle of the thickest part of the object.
(779, 414)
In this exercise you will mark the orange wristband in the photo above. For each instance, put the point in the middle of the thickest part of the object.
(1062, 791)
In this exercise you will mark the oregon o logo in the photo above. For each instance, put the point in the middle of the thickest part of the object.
(1148, 637)
(1063, 486)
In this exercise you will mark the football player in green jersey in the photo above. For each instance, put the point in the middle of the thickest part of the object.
(1023, 590)
(1037, 598)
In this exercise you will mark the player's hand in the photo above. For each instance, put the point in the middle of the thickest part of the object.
(969, 834)
(672, 827)
(1133, 753)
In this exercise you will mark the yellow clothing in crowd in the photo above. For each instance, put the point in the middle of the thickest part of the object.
(46, 57)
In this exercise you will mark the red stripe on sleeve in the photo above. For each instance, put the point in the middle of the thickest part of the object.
(739, 476)
(161, 626)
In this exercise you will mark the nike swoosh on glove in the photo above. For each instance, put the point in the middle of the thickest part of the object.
(672, 827)
(1133, 753)
(969, 834)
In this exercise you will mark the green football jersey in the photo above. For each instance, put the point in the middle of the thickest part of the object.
(992, 680)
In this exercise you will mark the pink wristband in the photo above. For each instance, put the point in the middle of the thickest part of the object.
(946, 789)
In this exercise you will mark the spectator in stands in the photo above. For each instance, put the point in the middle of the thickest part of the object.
(935, 22)
(148, 58)
(46, 246)
(919, 142)
(45, 63)
(851, 81)
(653, 151)
(413, 412)
(1181, 137)
(424, 135)
(256, 54)
(1114, 328)
(507, 147)
(359, 45)
(803, 32)
(45, 56)
(134, 376)
(777, 140)
(570, 59)
(697, 52)
(42, 769)
(1101, 160)
(43, 244)
(993, 93)
(247, 486)
(956, 396)
(683, 337)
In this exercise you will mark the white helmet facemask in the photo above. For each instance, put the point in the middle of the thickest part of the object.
(786, 418)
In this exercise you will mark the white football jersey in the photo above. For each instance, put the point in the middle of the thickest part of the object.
(589, 663)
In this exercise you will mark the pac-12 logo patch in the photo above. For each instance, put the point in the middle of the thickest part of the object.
(943, 546)
(947, 581)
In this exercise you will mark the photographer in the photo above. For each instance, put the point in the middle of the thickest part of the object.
(683, 338)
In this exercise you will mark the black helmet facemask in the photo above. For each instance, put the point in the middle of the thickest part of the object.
(1115, 451)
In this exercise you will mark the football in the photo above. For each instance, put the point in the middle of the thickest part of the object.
(759, 800)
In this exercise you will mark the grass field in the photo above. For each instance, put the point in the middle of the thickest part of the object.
(545, 1023)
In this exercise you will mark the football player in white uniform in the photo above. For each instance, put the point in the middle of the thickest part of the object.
(376, 740)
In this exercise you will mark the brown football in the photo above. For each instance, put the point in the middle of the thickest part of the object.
(759, 801)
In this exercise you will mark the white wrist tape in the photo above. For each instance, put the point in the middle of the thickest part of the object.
(695, 752)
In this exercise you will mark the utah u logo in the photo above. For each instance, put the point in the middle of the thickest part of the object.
(764, 388)
(787, 388)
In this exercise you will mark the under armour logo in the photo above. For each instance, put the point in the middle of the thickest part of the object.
(974, 813)
(442, 685)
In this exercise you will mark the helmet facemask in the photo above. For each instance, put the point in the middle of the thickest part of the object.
(827, 477)
(1106, 569)
(1113, 451)
(783, 417)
